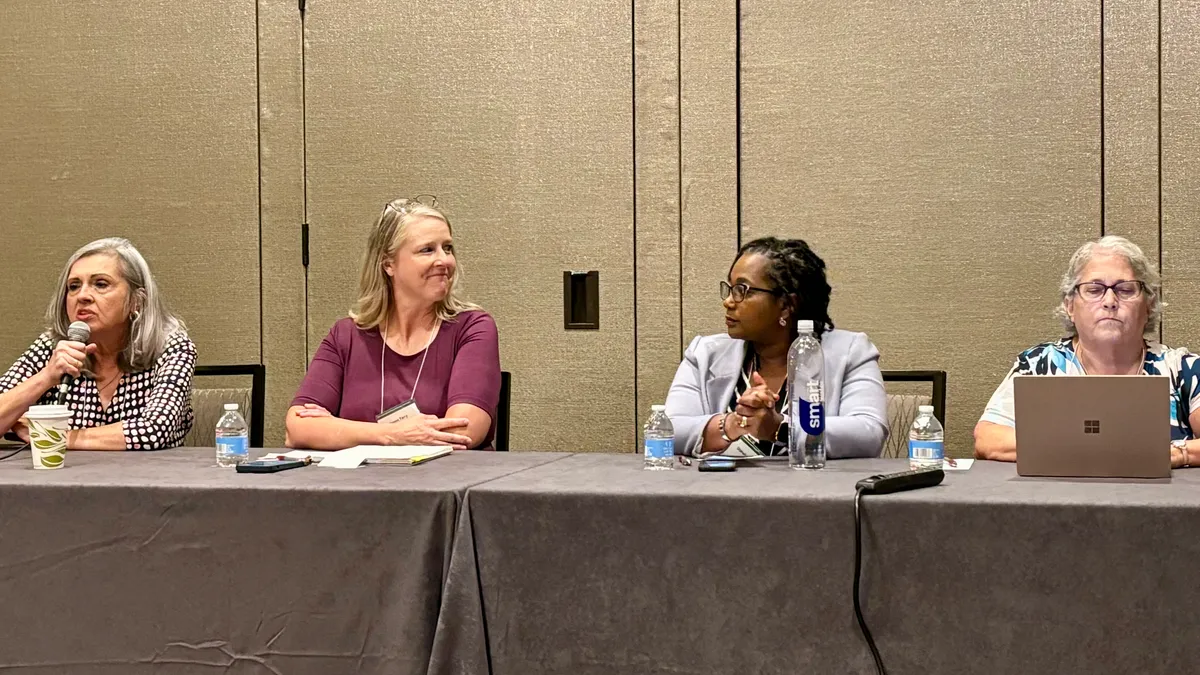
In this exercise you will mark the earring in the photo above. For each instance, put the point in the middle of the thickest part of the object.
(783, 321)
(134, 316)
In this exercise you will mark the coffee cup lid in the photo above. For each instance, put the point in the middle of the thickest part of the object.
(48, 412)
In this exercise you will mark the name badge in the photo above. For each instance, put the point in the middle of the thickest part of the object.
(399, 412)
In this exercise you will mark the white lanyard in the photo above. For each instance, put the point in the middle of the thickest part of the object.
(425, 353)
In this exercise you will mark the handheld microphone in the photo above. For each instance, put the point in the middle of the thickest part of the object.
(78, 331)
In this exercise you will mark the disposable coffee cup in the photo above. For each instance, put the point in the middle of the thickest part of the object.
(48, 425)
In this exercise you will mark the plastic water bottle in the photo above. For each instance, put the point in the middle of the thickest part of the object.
(659, 438)
(233, 437)
(806, 387)
(926, 440)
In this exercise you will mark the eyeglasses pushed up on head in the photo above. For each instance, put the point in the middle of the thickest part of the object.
(740, 291)
(404, 205)
(1094, 291)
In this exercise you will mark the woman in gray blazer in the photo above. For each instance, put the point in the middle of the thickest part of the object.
(734, 384)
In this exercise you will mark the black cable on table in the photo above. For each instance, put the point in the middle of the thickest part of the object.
(862, 623)
(23, 447)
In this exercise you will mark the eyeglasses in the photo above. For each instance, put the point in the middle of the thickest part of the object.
(739, 291)
(1094, 291)
(403, 206)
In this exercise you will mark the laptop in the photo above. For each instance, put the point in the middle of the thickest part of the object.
(1093, 426)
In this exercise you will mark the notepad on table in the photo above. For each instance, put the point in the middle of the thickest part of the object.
(407, 455)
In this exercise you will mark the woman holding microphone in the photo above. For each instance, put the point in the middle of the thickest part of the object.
(130, 386)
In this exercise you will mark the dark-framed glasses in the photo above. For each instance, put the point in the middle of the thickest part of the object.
(1094, 291)
(740, 291)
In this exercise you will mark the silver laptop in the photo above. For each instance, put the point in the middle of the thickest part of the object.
(1093, 426)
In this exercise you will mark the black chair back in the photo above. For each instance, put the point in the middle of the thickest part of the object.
(937, 380)
(502, 411)
(258, 393)
(902, 408)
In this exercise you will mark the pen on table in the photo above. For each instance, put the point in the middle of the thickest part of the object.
(306, 460)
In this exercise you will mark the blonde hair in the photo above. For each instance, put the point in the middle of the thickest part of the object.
(151, 324)
(375, 289)
(1143, 269)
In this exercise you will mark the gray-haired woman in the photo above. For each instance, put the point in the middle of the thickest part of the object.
(1110, 304)
(132, 386)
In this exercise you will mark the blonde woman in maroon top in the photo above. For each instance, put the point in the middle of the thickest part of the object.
(409, 341)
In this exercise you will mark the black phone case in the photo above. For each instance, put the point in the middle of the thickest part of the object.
(268, 467)
(706, 466)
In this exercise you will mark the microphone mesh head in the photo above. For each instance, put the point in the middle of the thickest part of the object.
(79, 331)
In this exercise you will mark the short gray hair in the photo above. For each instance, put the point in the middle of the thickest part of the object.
(152, 325)
(1143, 269)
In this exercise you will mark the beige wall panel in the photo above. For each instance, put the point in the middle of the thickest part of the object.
(942, 158)
(281, 120)
(519, 117)
(132, 119)
(709, 159)
(1131, 121)
(656, 81)
(1181, 171)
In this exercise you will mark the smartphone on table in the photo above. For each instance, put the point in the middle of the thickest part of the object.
(718, 464)
(271, 465)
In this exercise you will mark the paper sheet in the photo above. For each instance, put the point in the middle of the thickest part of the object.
(956, 464)
(317, 455)
(351, 458)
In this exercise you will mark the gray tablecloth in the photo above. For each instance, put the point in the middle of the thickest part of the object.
(160, 562)
(592, 566)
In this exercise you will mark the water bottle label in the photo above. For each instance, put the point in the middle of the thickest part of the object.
(234, 445)
(660, 448)
(927, 450)
(812, 418)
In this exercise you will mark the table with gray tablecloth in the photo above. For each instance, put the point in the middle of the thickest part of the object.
(161, 562)
(590, 566)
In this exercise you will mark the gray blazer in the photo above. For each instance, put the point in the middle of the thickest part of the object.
(856, 404)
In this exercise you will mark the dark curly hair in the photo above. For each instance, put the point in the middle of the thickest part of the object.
(798, 271)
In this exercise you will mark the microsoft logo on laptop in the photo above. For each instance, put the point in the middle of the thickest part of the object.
(1091, 426)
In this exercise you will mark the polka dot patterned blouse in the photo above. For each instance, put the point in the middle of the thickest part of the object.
(155, 405)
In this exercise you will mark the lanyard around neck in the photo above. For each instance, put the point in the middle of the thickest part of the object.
(424, 353)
